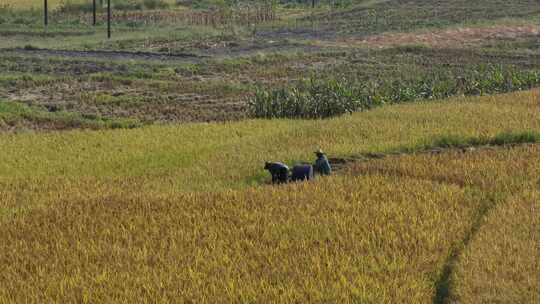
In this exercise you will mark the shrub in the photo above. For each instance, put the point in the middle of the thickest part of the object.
(315, 99)
(155, 4)
(75, 8)
(128, 5)
(30, 47)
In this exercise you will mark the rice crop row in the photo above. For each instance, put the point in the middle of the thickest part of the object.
(372, 235)
(370, 239)
(217, 156)
(501, 263)
(496, 261)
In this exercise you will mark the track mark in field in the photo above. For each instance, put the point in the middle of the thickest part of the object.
(343, 163)
(443, 283)
(109, 55)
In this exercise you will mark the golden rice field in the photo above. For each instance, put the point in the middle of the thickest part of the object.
(177, 213)
(219, 156)
(364, 240)
(497, 260)
(501, 264)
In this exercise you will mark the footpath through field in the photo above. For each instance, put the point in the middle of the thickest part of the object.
(106, 55)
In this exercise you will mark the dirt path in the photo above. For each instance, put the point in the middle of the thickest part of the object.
(108, 55)
(342, 164)
(238, 49)
(273, 42)
(258, 45)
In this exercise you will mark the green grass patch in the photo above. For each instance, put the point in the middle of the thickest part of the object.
(13, 114)
(501, 139)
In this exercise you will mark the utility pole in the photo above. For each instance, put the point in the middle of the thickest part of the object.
(109, 19)
(94, 12)
(45, 13)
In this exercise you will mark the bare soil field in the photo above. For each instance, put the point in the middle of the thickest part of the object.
(156, 71)
(441, 39)
(106, 99)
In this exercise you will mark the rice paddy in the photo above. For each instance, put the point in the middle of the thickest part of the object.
(183, 218)
(131, 168)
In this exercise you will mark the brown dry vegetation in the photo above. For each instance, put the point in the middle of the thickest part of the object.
(446, 38)
(193, 100)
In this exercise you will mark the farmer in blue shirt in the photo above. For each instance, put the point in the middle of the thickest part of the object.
(322, 165)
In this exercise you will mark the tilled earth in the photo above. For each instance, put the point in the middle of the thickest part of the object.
(178, 82)
(115, 101)
(447, 38)
(151, 87)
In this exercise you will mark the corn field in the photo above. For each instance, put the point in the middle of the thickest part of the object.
(316, 98)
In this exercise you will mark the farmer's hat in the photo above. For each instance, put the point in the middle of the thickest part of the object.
(319, 152)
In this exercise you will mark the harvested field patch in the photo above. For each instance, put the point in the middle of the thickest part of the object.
(450, 38)
(147, 104)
